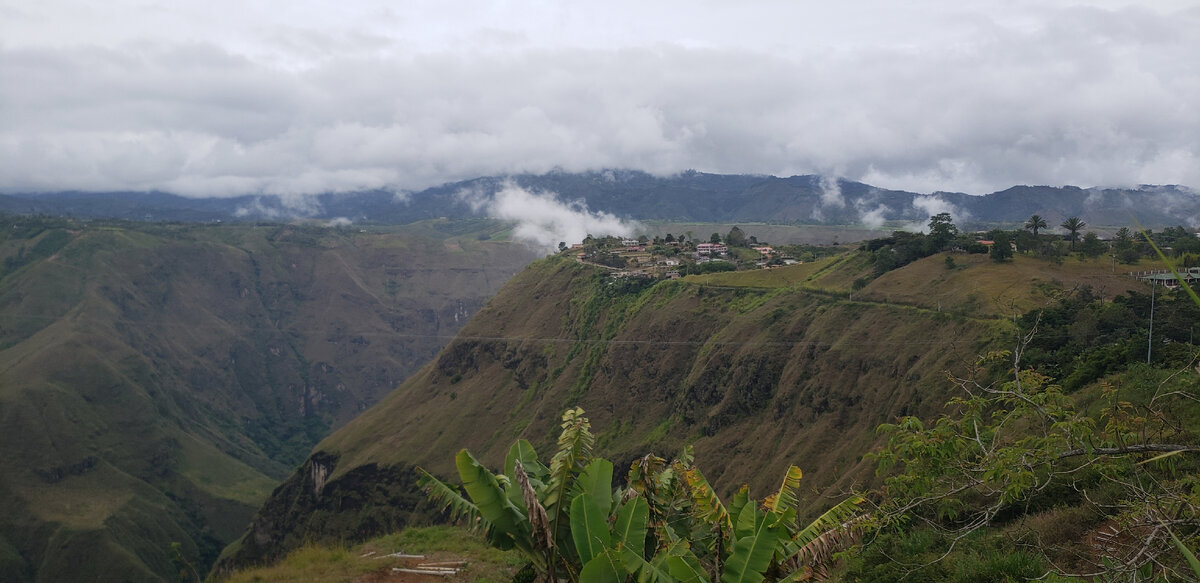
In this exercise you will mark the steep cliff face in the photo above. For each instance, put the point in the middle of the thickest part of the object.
(757, 378)
(157, 380)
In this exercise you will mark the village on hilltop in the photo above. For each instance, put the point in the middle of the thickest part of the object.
(674, 256)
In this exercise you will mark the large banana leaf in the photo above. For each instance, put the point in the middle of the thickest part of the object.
(589, 527)
(652, 571)
(522, 451)
(744, 525)
(683, 565)
(785, 498)
(708, 505)
(596, 480)
(835, 517)
(630, 528)
(752, 553)
(509, 526)
(739, 501)
(603, 568)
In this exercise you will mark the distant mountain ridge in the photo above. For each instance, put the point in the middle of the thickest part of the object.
(689, 196)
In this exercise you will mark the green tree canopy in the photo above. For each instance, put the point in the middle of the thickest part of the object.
(1002, 249)
(736, 237)
(1092, 246)
(941, 231)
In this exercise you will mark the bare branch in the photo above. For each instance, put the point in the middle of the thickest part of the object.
(1128, 449)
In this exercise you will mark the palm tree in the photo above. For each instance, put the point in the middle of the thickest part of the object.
(1073, 225)
(1034, 223)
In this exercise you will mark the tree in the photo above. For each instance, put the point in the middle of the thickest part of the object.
(1123, 238)
(1002, 247)
(667, 525)
(1092, 246)
(715, 238)
(1034, 223)
(1073, 225)
(736, 237)
(941, 232)
(1012, 445)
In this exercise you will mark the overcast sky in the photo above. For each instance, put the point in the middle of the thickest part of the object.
(221, 97)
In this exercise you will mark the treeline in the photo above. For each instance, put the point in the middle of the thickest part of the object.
(1128, 246)
(1082, 338)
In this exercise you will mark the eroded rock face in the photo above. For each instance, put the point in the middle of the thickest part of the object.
(366, 501)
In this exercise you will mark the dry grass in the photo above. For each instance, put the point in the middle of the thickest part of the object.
(777, 277)
(979, 285)
(369, 561)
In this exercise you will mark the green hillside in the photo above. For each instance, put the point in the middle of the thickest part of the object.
(757, 369)
(157, 380)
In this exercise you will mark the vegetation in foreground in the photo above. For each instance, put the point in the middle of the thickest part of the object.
(1030, 481)
(666, 524)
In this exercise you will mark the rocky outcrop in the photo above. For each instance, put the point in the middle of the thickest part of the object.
(363, 502)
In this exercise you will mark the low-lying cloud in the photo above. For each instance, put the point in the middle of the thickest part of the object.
(873, 217)
(930, 205)
(542, 220)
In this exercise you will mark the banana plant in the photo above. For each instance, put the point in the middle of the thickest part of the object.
(566, 519)
(751, 539)
(668, 526)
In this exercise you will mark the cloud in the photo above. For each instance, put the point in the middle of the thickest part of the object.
(831, 193)
(875, 217)
(930, 205)
(831, 197)
(974, 99)
(542, 219)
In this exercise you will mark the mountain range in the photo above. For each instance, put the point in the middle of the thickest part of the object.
(689, 196)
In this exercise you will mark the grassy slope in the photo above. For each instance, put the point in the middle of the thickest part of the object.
(758, 369)
(368, 561)
(156, 380)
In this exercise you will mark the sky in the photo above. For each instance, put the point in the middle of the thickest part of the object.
(221, 98)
